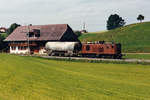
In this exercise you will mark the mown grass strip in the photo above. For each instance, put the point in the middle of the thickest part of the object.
(34, 78)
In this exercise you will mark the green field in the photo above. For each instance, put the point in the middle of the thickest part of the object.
(134, 38)
(32, 78)
(4, 35)
(137, 56)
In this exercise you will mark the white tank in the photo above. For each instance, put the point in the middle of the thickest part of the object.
(61, 46)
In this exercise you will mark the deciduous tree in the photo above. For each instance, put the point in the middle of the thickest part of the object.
(140, 18)
(12, 28)
(115, 21)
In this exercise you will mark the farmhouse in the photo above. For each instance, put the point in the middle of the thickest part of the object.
(32, 39)
(3, 30)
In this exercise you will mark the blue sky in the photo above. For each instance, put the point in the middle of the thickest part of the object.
(73, 12)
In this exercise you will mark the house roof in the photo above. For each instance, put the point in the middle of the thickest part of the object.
(3, 28)
(47, 32)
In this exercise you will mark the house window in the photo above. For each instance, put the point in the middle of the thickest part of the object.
(25, 48)
(22, 48)
(34, 33)
(107, 47)
(19, 48)
(13, 48)
(31, 34)
(87, 48)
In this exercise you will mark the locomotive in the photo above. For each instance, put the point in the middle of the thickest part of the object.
(98, 49)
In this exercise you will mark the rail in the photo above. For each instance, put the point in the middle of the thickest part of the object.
(99, 59)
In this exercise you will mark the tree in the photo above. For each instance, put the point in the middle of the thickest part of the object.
(140, 18)
(115, 21)
(78, 33)
(3, 45)
(12, 28)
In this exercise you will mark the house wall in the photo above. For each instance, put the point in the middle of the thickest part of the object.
(2, 30)
(17, 51)
(42, 51)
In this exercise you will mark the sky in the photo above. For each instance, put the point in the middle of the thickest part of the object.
(94, 13)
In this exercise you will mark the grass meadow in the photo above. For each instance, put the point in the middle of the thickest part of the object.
(3, 35)
(32, 78)
(137, 56)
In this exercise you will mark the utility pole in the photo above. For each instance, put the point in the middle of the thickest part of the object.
(28, 41)
(84, 26)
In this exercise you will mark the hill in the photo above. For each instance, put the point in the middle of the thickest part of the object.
(3, 36)
(3, 45)
(32, 78)
(134, 37)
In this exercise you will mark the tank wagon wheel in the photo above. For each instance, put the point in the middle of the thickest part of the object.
(82, 55)
(119, 57)
(49, 52)
(85, 56)
(66, 55)
(63, 55)
(52, 54)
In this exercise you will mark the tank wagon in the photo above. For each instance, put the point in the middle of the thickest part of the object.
(99, 49)
(63, 48)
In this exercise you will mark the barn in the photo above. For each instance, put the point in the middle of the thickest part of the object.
(32, 39)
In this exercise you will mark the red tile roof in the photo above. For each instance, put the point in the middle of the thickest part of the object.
(47, 32)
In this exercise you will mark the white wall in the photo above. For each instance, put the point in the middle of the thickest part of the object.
(42, 51)
(16, 51)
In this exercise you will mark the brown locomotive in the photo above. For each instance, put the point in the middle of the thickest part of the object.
(101, 49)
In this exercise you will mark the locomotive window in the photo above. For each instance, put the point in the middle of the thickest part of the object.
(107, 47)
(101, 49)
(87, 48)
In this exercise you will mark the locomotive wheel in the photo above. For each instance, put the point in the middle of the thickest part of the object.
(99, 56)
(93, 56)
(83, 55)
(118, 57)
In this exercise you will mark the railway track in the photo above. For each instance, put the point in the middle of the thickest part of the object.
(99, 59)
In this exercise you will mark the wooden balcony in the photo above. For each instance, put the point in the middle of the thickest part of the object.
(22, 44)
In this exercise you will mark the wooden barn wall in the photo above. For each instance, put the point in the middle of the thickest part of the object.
(69, 35)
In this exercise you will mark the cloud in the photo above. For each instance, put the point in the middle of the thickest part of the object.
(73, 12)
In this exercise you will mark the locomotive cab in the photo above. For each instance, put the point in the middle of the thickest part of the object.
(101, 49)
